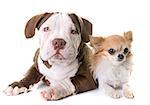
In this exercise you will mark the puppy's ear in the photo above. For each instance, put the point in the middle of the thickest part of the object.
(83, 26)
(86, 27)
(96, 42)
(35, 22)
(128, 36)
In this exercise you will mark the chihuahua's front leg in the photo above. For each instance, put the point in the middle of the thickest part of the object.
(33, 76)
(110, 91)
(58, 90)
(127, 91)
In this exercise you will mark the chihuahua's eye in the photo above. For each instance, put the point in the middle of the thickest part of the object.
(126, 50)
(111, 51)
(74, 32)
(46, 29)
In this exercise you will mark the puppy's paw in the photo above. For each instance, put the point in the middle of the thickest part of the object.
(15, 89)
(128, 94)
(48, 94)
(54, 93)
(10, 91)
(116, 94)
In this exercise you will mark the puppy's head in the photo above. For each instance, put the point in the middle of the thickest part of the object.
(115, 48)
(60, 35)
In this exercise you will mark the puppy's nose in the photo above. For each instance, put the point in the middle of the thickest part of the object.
(58, 43)
(120, 57)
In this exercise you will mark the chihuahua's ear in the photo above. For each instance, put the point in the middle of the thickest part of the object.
(128, 36)
(96, 42)
(35, 22)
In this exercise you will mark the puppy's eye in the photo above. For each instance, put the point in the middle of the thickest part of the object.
(74, 32)
(126, 50)
(111, 51)
(46, 29)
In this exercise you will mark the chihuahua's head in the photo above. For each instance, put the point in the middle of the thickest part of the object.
(114, 48)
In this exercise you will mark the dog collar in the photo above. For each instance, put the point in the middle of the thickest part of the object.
(46, 63)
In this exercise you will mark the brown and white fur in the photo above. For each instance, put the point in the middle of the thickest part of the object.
(111, 64)
(61, 60)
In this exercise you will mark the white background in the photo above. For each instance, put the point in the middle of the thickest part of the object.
(108, 17)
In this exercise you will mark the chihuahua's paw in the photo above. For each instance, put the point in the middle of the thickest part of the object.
(116, 94)
(10, 91)
(128, 94)
(53, 93)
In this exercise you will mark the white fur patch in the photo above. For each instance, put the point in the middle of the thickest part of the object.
(114, 75)
(15, 91)
(59, 76)
(58, 72)
(60, 90)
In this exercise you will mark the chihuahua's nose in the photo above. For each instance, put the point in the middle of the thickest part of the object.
(120, 57)
(58, 43)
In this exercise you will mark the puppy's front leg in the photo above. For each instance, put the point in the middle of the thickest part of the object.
(33, 76)
(109, 90)
(127, 91)
(58, 90)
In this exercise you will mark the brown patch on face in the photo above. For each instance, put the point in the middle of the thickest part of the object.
(114, 41)
(35, 22)
(83, 26)
(76, 22)
(101, 43)
(104, 44)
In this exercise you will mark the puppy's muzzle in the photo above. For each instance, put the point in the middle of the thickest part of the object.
(58, 43)
(120, 57)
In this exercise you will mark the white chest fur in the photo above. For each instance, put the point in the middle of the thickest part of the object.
(58, 72)
(107, 73)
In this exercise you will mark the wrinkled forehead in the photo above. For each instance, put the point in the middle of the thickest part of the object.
(59, 20)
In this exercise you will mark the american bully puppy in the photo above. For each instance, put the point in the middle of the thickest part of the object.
(62, 58)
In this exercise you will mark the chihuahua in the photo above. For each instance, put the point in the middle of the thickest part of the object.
(111, 64)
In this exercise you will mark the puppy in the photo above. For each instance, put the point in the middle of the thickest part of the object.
(111, 64)
(61, 60)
